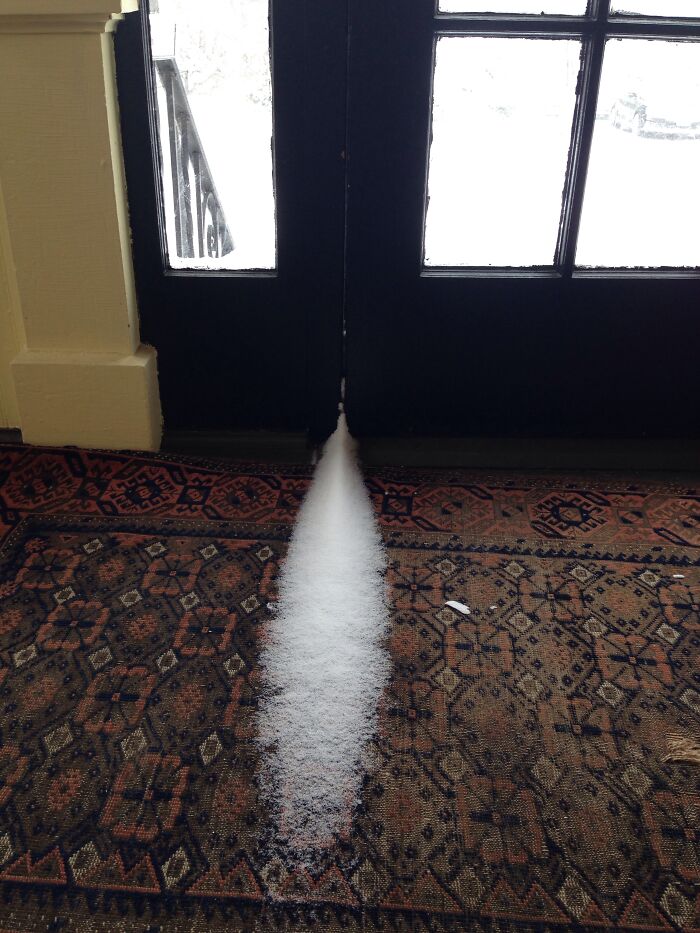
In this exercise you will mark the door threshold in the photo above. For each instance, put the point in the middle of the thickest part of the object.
(647, 455)
(659, 455)
(259, 446)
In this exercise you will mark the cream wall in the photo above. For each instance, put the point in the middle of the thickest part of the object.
(11, 329)
(72, 367)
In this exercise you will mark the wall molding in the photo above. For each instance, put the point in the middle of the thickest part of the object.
(46, 17)
(80, 374)
(49, 25)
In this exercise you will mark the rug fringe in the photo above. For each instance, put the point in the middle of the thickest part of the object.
(682, 748)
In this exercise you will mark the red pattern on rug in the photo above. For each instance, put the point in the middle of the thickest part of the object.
(520, 780)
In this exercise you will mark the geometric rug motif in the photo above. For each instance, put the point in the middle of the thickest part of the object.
(519, 780)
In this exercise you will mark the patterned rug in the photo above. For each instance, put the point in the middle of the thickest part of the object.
(525, 776)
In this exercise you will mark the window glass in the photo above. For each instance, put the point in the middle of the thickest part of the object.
(214, 98)
(563, 7)
(683, 8)
(642, 198)
(502, 117)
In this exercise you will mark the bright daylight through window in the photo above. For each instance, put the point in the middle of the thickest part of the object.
(214, 99)
(502, 118)
(643, 189)
(524, 173)
(689, 8)
(568, 7)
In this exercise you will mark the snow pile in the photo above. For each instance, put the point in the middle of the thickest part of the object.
(325, 664)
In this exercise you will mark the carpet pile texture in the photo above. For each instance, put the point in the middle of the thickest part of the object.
(534, 764)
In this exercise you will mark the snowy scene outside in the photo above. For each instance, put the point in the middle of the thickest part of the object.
(683, 8)
(222, 50)
(686, 8)
(643, 188)
(502, 116)
(564, 7)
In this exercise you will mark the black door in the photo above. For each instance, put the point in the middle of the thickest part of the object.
(246, 350)
(507, 351)
(430, 348)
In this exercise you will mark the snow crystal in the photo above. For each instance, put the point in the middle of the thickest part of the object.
(325, 663)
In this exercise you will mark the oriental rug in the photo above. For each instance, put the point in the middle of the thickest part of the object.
(526, 775)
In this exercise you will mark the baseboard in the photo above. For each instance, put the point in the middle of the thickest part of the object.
(261, 446)
(644, 455)
(655, 455)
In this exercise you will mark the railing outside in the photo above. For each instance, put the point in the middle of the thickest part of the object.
(200, 224)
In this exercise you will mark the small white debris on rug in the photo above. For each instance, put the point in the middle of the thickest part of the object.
(325, 662)
(459, 607)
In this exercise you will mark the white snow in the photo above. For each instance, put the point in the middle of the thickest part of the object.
(325, 663)
(459, 607)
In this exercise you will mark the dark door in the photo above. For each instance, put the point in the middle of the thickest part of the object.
(542, 350)
(570, 309)
(249, 350)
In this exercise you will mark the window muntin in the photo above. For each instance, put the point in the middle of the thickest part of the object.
(214, 101)
(502, 115)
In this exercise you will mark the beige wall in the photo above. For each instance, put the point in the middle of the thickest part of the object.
(72, 368)
(66, 268)
(11, 330)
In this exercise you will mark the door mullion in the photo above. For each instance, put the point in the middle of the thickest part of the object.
(581, 139)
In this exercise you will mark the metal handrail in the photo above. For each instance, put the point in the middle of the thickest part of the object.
(201, 230)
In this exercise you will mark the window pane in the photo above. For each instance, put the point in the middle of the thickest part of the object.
(643, 191)
(687, 8)
(502, 115)
(564, 7)
(212, 66)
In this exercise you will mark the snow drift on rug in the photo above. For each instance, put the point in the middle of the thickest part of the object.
(325, 663)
